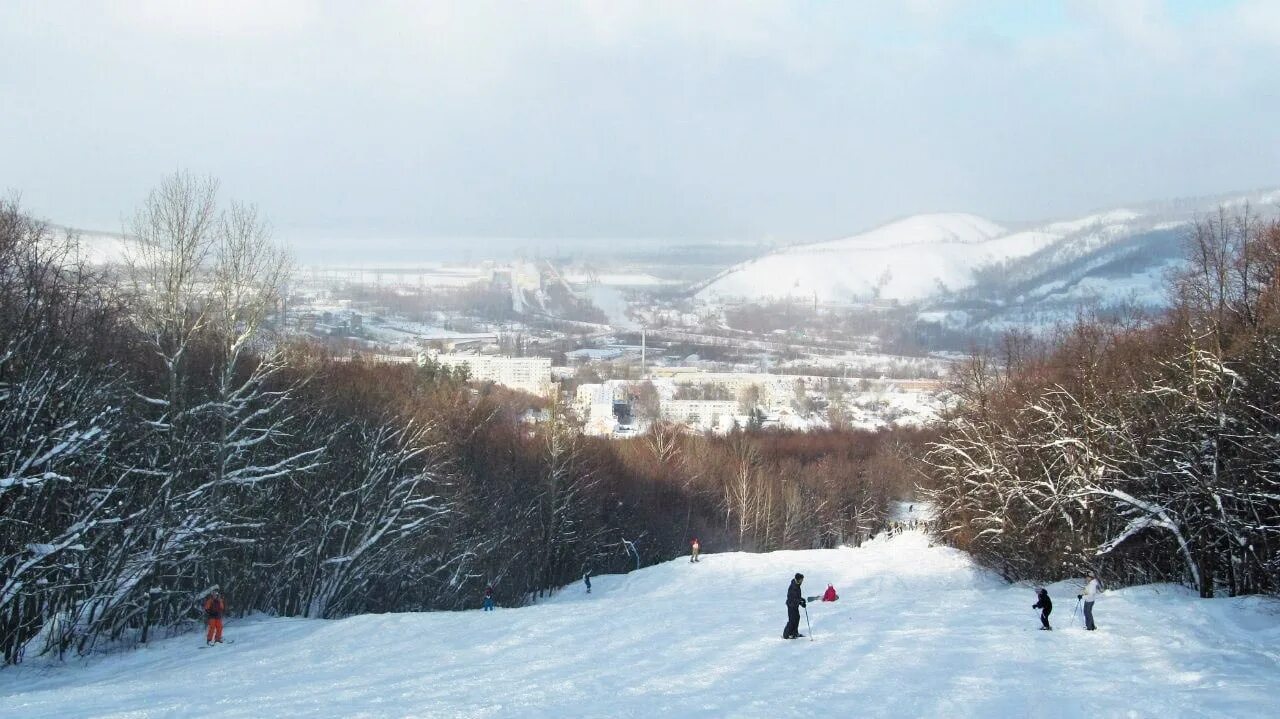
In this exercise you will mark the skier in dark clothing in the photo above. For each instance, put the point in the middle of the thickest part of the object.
(488, 598)
(795, 600)
(1045, 605)
(586, 579)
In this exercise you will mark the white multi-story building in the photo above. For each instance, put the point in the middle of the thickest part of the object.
(774, 389)
(589, 396)
(710, 414)
(527, 374)
(593, 403)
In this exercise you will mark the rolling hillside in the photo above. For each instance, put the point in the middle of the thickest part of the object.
(963, 270)
(906, 260)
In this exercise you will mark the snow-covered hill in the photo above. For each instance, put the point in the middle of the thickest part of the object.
(960, 261)
(93, 246)
(918, 632)
(1119, 258)
(905, 260)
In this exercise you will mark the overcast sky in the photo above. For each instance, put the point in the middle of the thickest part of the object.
(710, 119)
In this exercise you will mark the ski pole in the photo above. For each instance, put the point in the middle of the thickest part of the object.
(806, 622)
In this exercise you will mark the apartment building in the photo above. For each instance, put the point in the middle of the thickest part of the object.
(700, 413)
(527, 374)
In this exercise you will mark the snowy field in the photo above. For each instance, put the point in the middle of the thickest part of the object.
(918, 632)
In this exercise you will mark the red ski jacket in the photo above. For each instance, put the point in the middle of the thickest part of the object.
(214, 607)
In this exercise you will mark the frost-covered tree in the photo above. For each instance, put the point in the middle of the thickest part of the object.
(567, 536)
(1148, 452)
(203, 283)
(61, 420)
(370, 520)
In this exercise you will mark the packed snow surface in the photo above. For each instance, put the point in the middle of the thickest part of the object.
(918, 631)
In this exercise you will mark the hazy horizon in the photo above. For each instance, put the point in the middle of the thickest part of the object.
(429, 124)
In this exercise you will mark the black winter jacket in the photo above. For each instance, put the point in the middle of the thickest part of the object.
(1044, 602)
(794, 598)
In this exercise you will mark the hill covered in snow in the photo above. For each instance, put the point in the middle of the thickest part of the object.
(964, 270)
(905, 260)
(919, 631)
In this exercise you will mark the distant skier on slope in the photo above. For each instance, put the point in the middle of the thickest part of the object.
(586, 579)
(1090, 595)
(694, 550)
(488, 598)
(214, 608)
(1045, 605)
(794, 601)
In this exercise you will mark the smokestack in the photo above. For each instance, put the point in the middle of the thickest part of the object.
(642, 352)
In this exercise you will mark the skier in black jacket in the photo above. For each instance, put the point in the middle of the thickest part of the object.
(795, 600)
(1045, 605)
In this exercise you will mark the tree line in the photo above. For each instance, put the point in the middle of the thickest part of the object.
(1146, 449)
(159, 435)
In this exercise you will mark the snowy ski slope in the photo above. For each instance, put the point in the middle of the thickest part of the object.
(918, 632)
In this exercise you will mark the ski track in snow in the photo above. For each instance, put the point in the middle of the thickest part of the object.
(919, 631)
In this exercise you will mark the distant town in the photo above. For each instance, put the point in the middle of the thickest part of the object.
(620, 347)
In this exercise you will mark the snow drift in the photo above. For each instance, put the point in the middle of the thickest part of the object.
(918, 631)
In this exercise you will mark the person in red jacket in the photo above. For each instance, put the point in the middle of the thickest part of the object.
(830, 595)
(214, 608)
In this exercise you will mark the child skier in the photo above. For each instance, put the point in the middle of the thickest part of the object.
(694, 549)
(1045, 605)
(830, 595)
(214, 608)
(488, 598)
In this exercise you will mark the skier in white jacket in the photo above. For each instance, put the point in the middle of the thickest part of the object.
(1090, 595)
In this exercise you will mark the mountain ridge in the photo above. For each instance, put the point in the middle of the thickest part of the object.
(924, 266)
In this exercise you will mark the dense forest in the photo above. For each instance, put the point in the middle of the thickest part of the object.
(1144, 450)
(159, 437)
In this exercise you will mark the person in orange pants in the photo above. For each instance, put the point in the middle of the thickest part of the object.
(214, 608)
